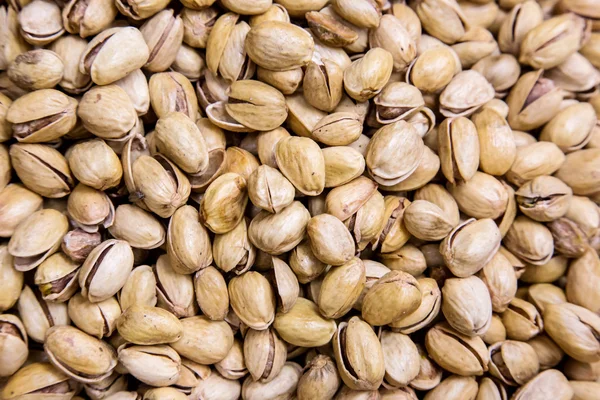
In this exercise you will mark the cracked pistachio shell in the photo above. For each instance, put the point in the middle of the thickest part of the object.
(426, 170)
(345, 200)
(497, 148)
(233, 366)
(266, 41)
(442, 198)
(172, 91)
(571, 129)
(537, 159)
(442, 19)
(269, 190)
(551, 42)
(11, 280)
(367, 76)
(393, 233)
(532, 101)
(88, 19)
(301, 161)
(204, 341)
(578, 171)
(278, 233)
(42, 169)
(397, 101)
(542, 294)
(89, 208)
(427, 311)
(393, 296)
(323, 84)
(338, 129)
(529, 240)
(113, 54)
(40, 22)
(42, 116)
(426, 221)
(95, 319)
(145, 325)
(287, 82)
(470, 246)
(394, 153)
(342, 165)
(454, 387)
(138, 227)
(576, 74)
(31, 381)
(264, 354)
(163, 34)
(161, 186)
(359, 355)
(522, 18)
(154, 365)
(56, 277)
(69, 49)
(13, 339)
(38, 315)
(211, 293)
(330, 240)
(107, 112)
(457, 353)
(302, 117)
(500, 278)
(179, 139)
(224, 202)
(513, 362)
(583, 277)
(283, 386)
(197, 25)
(36, 238)
(368, 221)
(241, 161)
(82, 357)
(465, 94)
(458, 149)
(305, 265)
(256, 105)
(218, 39)
(483, 196)
(142, 9)
(285, 284)
(467, 306)
(252, 299)
(95, 164)
(392, 36)
(433, 69)
(233, 251)
(188, 243)
(522, 320)
(501, 70)
(175, 291)
(544, 198)
(341, 288)
(320, 380)
(304, 326)
(401, 358)
(429, 375)
(105, 270)
(575, 329)
(139, 288)
(491, 390)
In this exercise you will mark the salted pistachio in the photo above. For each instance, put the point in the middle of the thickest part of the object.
(532, 101)
(454, 387)
(171, 91)
(541, 294)
(107, 112)
(341, 288)
(36, 69)
(591, 49)
(95, 164)
(241, 161)
(483, 15)
(17, 204)
(154, 365)
(530, 241)
(367, 76)
(513, 362)
(394, 153)
(465, 94)
(470, 246)
(232, 251)
(302, 117)
(187, 256)
(34, 380)
(522, 320)
(584, 213)
(56, 277)
(13, 339)
(256, 105)
(584, 389)
(582, 277)
(145, 325)
(95, 319)
(552, 41)
(544, 198)
(163, 33)
(252, 299)
(438, 195)
(40, 22)
(282, 386)
(264, 354)
(457, 353)
(304, 326)
(577, 171)
(175, 291)
(320, 379)
(534, 160)
(105, 270)
(191, 374)
(197, 25)
(497, 148)
(217, 165)
(427, 311)
(523, 138)
(138, 227)
(82, 357)
(139, 288)
(211, 293)
(433, 69)
(42, 116)
(304, 264)
(426, 221)
(223, 204)
(442, 19)
(204, 341)
(159, 184)
(36, 238)
(89, 208)
(564, 133)
(359, 355)
(338, 129)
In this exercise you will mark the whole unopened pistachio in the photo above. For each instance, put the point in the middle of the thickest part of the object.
(392, 36)
(146, 325)
(69, 49)
(301, 161)
(522, 320)
(35, 379)
(107, 112)
(455, 352)
(36, 69)
(401, 358)
(304, 326)
(302, 117)
(89, 208)
(281, 232)
(305, 265)
(211, 293)
(541, 294)
(427, 311)
(252, 299)
(341, 288)
(320, 380)
(583, 276)
(241, 161)
(577, 171)
(454, 387)
(233, 251)
(330, 240)
(95, 164)
(502, 71)
(338, 129)
(188, 256)
(530, 240)
(408, 259)
(163, 33)
(500, 278)
(460, 295)
(139, 288)
(496, 332)
(256, 105)
(287, 82)
(138, 227)
(204, 341)
(443, 19)
(564, 133)
(433, 69)
(175, 291)
(223, 204)
(367, 76)
(154, 365)
(497, 147)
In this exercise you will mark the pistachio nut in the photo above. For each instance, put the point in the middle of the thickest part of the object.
(530, 240)
(513, 362)
(215, 386)
(14, 42)
(39, 315)
(204, 341)
(522, 320)
(304, 326)
(146, 325)
(175, 291)
(367, 76)
(278, 233)
(69, 49)
(56, 277)
(497, 147)
(107, 112)
(36, 69)
(496, 332)
(252, 299)
(548, 352)
(502, 71)
(223, 204)
(11, 280)
(197, 25)
(13, 340)
(138, 227)
(256, 105)
(393, 233)
(154, 365)
(433, 69)
(401, 358)
(500, 278)
(520, 20)
(187, 256)
(427, 311)
(233, 251)
(427, 221)
(467, 306)
(171, 91)
(323, 82)
(163, 34)
(362, 13)
(264, 354)
(330, 240)
(454, 387)
(89, 208)
(302, 162)
(320, 379)
(287, 82)
(282, 386)
(544, 198)
(341, 288)
(338, 129)
(465, 94)
(40, 22)
(241, 161)
(164, 393)
(16, 204)
(542, 294)
(269, 189)
(211, 293)
(139, 288)
(481, 197)
(33, 381)
(305, 265)
(577, 171)
(443, 19)
(95, 319)
(581, 279)
(429, 375)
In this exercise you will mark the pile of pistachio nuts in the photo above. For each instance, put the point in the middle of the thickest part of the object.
(299, 200)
